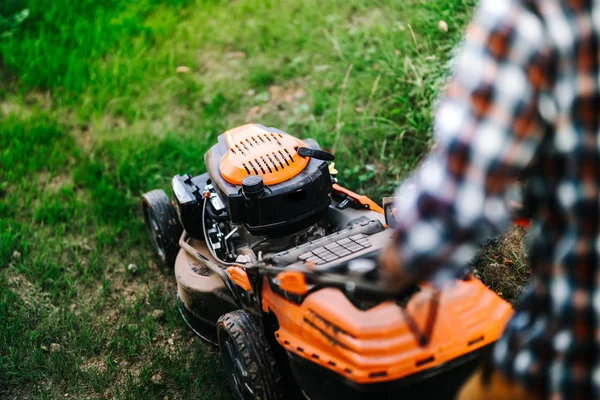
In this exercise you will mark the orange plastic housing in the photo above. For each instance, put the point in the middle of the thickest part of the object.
(378, 345)
(239, 276)
(361, 199)
(293, 282)
(256, 150)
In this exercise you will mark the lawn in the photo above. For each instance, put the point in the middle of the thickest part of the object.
(101, 101)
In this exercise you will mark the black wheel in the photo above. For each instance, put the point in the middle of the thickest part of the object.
(249, 361)
(162, 225)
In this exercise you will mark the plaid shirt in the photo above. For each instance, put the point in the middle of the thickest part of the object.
(524, 101)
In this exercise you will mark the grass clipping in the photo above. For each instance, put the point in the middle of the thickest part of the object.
(502, 264)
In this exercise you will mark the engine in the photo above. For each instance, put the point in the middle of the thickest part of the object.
(259, 194)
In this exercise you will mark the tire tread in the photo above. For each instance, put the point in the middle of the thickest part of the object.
(251, 341)
(166, 216)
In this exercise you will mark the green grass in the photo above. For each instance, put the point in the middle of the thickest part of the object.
(93, 114)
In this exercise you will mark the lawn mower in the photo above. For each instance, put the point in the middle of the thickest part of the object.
(276, 263)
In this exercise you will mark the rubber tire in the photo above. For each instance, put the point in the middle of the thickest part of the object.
(244, 331)
(162, 225)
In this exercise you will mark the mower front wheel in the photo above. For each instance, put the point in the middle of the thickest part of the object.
(249, 361)
(162, 225)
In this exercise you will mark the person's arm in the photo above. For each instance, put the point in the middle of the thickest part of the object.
(488, 127)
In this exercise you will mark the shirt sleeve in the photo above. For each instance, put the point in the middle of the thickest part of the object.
(488, 128)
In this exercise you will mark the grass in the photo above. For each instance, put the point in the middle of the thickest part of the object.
(502, 265)
(93, 113)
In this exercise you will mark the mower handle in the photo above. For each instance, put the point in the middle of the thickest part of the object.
(350, 283)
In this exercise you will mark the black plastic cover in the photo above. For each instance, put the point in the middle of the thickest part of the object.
(187, 196)
(281, 208)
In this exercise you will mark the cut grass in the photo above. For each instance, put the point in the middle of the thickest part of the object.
(503, 265)
(93, 114)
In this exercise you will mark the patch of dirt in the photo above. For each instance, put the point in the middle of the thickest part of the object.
(221, 65)
(84, 135)
(24, 108)
(72, 251)
(502, 265)
(367, 19)
(109, 122)
(176, 117)
(54, 183)
(59, 181)
(8, 108)
(284, 101)
(94, 364)
(111, 311)
(81, 244)
(131, 288)
(167, 342)
(39, 99)
(279, 95)
(29, 294)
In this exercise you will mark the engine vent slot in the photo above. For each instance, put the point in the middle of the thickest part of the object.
(282, 156)
(272, 162)
(475, 340)
(257, 150)
(379, 374)
(278, 160)
(424, 361)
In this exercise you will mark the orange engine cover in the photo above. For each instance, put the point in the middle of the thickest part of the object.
(258, 150)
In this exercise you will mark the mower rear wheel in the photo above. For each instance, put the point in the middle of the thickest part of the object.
(249, 361)
(162, 225)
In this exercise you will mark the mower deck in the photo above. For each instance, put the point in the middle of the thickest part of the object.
(203, 329)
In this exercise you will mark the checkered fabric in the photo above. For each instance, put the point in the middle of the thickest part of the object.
(523, 102)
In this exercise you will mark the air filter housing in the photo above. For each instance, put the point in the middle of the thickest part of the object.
(256, 150)
(296, 189)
